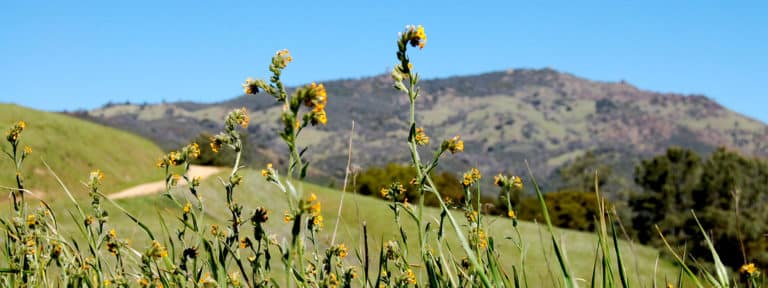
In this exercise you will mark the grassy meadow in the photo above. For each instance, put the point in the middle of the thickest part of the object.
(268, 227)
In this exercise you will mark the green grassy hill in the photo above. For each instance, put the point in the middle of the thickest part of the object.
(73, 148)
(580, 246)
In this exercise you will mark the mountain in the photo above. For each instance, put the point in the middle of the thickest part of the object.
(73, 148)
(540, 115)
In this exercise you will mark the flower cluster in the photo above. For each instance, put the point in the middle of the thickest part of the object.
(453, 145)
(421, 138)
(511, 182)
(393, 191)
(13, 134)
(471, 177)
(414, 35)
(176, 158)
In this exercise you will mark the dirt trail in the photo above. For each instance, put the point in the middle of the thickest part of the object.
(159, 186)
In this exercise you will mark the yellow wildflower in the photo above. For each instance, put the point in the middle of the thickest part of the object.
(748, 269)
(454, 145)
(410, 276)
(342, 250)
(187, 208)
(511, 214)
(288, 217)
(421, 137)
(215, 144)
(27, 150)
(31, 220)
(268, 171)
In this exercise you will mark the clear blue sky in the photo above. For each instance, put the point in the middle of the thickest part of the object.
(82, 54)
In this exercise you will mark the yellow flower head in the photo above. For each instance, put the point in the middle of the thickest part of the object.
(410, 276)
(511, 214)
(416, 36)
(319, 116)
(471, 177)
(31, 220)
(215, 144)
(250, 86)
(187, 208)
(317, 221)
(288, 217)
(27, 150)
(453, 145)
(157, 251)
(748, 269)
(421, 138)
(193, 150)
(267, 171)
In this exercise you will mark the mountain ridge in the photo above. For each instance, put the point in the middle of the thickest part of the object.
(540, 115)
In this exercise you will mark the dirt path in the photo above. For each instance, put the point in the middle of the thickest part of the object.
(159, 186)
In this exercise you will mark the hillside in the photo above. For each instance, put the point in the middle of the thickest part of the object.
(73, 148)
(544, 116)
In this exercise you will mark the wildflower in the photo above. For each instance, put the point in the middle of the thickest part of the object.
(340, 250)
(315, 209)
(748, 269)
(31, 220)
(282, 58)
(238, 117)
(13, 134)
(192, 151)
(317, 221)
(288, 217)
(391, 250)
(316, 96)
(174, 180)
(453, 145)
(410, 276)
(112, 233)
(215, 144)
(421, 137)
(415, 36)
(214, 229)
(173, 158)
(245, 243)
(471, 177)
(384, 192)
(187, 208)
(95, 177)
(511, 214)
(471, 216)
(517, 182)
(319, 117)
(27, 150)
(157, 251)
(312, 197)
(261, 215)
(250, 87)
(88, 220)
(196, 181)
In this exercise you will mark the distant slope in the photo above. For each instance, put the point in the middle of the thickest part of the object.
(73, 148)
(544, 116)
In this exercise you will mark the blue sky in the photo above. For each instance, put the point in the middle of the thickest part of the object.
(83, 54)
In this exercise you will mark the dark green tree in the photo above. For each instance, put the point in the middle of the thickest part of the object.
(668, 182)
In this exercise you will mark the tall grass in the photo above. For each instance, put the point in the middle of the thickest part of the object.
(240, 250)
